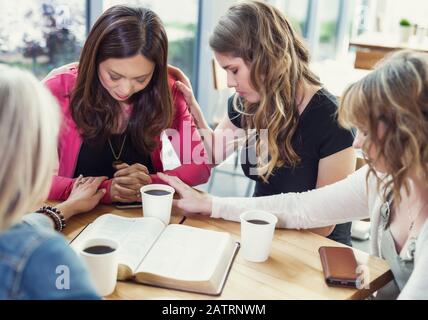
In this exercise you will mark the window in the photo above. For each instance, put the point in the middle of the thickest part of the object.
(329, 11)
(181, 22)
(40, 35)
(384, 15)
(325, 24)
(297, 12)
(361, 18)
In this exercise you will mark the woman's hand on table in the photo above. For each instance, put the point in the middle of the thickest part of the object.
(128, 181)
(191, 201)
(84, 196)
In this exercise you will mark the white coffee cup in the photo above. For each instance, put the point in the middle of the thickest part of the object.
(157, 205)
(257, 230)
(102, 267)
(421, 34)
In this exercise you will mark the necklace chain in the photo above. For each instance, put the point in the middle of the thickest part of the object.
(117, 157)
(412, 221)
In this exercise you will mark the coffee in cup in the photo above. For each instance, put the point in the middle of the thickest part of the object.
(157, 201)
(257, 230)
(101, 258)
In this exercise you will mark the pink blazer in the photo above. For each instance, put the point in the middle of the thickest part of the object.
(62, 84)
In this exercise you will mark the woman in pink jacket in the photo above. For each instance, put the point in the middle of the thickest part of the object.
(115, 105)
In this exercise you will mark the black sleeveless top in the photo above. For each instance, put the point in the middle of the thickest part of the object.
(318, 136)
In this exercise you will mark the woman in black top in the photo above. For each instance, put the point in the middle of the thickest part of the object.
(317, 136)
(268, 66)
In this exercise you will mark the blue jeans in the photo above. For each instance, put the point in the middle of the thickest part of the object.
(342, 233)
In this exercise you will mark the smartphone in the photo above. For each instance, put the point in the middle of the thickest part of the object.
(340, 266)
(130, 205)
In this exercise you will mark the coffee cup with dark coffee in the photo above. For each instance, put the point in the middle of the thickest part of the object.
(157, 201)
(101, 258)
(257, 230)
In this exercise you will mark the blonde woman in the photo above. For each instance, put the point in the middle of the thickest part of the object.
(267, 65)
(390, 109)
(31, 253)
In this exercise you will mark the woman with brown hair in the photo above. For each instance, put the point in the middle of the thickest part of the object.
(389, 107)
(268, 66)
(116, 103)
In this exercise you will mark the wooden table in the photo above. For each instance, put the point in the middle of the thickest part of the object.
(387, 42)
(293, 270)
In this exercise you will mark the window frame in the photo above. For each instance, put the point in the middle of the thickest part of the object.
(94, 8)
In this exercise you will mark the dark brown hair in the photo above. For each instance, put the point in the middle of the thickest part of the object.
(279, 62)
(123, 32)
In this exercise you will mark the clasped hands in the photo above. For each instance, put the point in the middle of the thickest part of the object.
(128, 181)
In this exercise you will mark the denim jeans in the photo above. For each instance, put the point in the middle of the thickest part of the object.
(342, 233)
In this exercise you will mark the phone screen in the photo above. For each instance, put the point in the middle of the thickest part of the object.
(129, 205)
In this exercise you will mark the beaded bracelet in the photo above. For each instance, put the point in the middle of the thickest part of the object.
(55, 215)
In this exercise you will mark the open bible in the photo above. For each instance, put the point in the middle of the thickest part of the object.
(174, 256)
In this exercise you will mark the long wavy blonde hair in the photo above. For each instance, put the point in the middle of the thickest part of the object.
(396, 94)
(29, 124)
(279, 63)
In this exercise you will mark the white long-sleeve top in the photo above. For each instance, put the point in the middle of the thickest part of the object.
(353, 198)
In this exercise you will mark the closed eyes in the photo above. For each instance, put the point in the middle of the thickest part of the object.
(117, 78)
